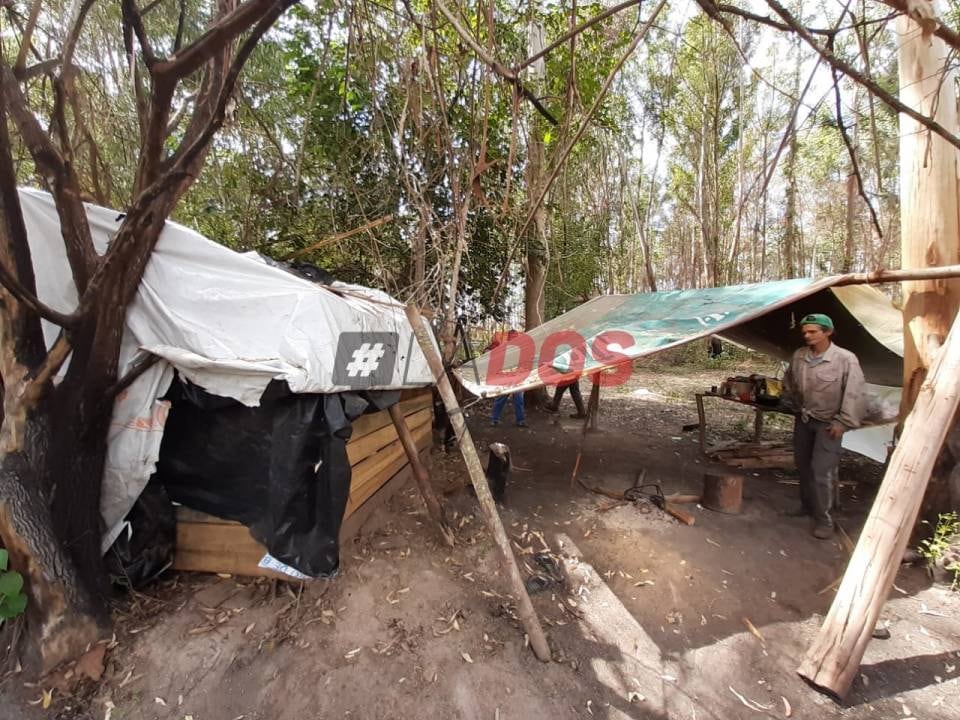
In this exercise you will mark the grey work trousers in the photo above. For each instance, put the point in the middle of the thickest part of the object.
(817, 456)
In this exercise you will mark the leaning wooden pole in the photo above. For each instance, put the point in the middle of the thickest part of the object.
(878, 277)
(434, 507)
(833, 661)
(528, 616)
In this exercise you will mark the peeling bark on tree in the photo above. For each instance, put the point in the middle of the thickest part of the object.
(930, 232)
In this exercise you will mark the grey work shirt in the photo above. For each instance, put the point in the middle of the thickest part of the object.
(827, 387)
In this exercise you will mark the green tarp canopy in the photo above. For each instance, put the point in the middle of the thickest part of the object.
(760, 316)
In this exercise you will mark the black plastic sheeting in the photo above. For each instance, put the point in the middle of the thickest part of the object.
(281, 468)
(145, 548)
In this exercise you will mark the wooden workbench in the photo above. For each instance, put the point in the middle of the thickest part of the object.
(758, 408)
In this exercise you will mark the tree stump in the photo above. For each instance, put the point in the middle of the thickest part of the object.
(723, 493)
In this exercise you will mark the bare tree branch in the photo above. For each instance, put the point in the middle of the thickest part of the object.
(124, 262)
(60, 172)
(369, 225)
(143, 363)
(192, 152)
(574, 140)
(181, 23)
(20, 310)
(854, 164)
(73, 37)
(573, 32)
(43, 67)
(167, 73)
(56, 356)
(498, 67)
(188, 60)
(15, 288)
(27, 36)
(859, 77)
(132, 17)
(770, 22)
(180, 113)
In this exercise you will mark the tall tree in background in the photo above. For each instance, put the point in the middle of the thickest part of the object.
(537, 259)
(53, 436)
(791, 235)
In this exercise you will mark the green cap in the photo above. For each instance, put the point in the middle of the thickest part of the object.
(818, 319)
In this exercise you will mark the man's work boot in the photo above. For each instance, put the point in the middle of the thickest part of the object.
(823, 531)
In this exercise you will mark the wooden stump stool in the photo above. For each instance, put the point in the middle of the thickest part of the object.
(723, 493)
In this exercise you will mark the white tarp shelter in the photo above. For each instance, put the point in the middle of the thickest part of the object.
(227, 322)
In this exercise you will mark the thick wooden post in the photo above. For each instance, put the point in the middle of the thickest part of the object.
(833, 661)
(528, 616)
(930, 228)
(434, 507)
(930, 234)
(593, 406)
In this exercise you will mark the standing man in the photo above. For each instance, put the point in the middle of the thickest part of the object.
(825, 385)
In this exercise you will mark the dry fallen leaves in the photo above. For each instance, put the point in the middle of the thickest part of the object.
(466, 656)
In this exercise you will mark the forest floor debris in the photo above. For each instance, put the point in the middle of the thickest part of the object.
(721, 611)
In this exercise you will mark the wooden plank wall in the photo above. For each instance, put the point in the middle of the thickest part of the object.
(378, 467)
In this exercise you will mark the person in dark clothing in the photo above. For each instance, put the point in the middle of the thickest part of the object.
(714, 347)
(574, 387)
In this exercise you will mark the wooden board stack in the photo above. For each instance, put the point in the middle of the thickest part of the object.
(379, 467)
(753, 455)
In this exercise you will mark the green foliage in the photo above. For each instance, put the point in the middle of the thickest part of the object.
(12, 599)
(937, 549)
(347, 113)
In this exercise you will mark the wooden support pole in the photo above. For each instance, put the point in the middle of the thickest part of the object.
(833, 661)
(538, 641)
(434, 507)
(701, 424)
(877, 277)
(593, 406)
(589, 423)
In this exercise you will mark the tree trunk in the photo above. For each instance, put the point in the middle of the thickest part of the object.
(790, 242)
(65, 611)
(928, 212)
(846, 263)
(538, 256)
(538, 253)
(44, 508)
(703, 203)
(790, 212)
(53, 438)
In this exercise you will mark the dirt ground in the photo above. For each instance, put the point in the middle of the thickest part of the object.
(411, 628)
